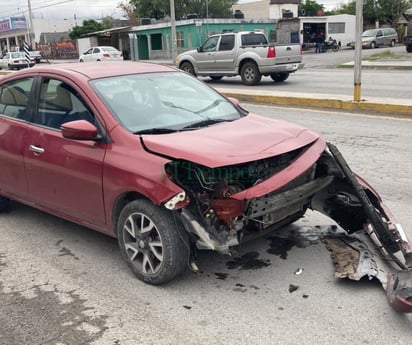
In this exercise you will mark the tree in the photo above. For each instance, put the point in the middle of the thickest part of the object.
(159, 9)
(311, 8)
(129, 12)
(88, 26)
(384, 11)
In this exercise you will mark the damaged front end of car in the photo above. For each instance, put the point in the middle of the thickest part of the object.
(228, 205)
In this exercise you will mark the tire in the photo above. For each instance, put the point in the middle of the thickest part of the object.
(187, 67)
(4, 203)
(279, 77)
(393, 43)
(409, 49)
(81, 60)
(160, 252)
(336, 48)
(250, 74)
(372, 45)
(216, 77)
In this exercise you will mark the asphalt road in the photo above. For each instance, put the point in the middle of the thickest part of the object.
(322, 75)
(64, 284)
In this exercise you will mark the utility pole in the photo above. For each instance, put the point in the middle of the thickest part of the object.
(358, 51)
(173, 28)
(31, 29)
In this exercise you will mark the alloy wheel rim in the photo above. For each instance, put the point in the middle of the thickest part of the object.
(143, 243)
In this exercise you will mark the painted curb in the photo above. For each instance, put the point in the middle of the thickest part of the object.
(380, 108)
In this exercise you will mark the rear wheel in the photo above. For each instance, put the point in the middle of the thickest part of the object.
(278, 77)
(4, 203)
(409, 49)
(250, 74)
(187, 67)
(151, 242)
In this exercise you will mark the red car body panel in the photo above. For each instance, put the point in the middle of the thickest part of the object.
(234, 141)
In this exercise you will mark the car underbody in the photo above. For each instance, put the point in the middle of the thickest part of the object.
(224, 206)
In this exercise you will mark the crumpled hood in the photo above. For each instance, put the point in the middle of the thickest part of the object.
(250, 138)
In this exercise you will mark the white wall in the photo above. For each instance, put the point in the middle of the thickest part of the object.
(52, 25)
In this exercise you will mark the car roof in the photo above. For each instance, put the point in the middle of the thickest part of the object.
(99, 69)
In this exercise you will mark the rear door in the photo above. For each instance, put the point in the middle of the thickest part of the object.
(14, 134)
(64, 175)
(225, 55)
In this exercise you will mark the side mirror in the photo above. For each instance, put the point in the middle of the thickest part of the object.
(79, 130)
(200, 49)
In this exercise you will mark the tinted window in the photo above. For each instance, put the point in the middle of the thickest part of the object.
(14, 98)
(227, 42)
(253, 39)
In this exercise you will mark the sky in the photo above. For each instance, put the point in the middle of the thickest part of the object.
(86, 9)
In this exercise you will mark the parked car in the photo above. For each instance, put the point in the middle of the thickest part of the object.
(378, 38)
(15, 60)
(161, 161)
(105, 53)
(246, 53)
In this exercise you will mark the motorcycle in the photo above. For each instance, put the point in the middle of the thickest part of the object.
(332, 44)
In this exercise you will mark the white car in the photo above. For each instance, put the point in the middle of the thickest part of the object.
(15, 60)
(101, 54)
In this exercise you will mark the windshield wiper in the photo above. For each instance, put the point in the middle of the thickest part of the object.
(205, 123)
(172, 105)
(161, 130)
(211, 106)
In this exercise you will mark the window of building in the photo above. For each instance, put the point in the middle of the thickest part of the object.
(180, 39)
(336, 28)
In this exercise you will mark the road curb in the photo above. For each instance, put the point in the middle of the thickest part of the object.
(337, 104)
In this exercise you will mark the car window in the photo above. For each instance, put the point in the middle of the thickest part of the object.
(253, 39)
(59, 103)
(227, 42)
(14, 98)
(210, 44)
(96, 50)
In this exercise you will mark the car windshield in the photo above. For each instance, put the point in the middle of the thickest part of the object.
(163, 102)
(369, 33)
(16, 55)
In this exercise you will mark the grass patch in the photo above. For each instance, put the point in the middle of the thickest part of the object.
(385, 55)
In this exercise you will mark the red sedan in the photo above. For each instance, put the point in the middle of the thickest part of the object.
(164, 163)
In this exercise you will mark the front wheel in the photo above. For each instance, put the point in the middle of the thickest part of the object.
(151, 242)
(336, 48)
(250, 74)
(393, 43)
(187, 67)
(409, 49)
(372, 45)
(279, 77)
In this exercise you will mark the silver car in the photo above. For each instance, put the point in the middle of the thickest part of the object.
(101, 54)
(15, 60)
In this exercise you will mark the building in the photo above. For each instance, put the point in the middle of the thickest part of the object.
(154, 41)
(274, 9)
(16, 30)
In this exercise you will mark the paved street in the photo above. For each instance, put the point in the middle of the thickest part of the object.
(64, 284)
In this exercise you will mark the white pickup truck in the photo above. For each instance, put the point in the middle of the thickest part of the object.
(247, 54)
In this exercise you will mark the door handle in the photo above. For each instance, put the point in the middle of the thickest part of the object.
(36, 149)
